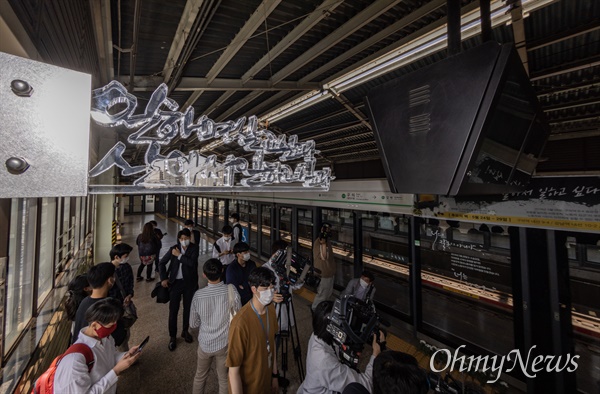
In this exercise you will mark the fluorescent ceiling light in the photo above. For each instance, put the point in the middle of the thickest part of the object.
(419, 48)
(299, 104)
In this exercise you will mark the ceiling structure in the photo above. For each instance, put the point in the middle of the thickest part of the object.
(305, 66)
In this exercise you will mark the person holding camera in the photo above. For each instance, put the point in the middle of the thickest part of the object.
(324, 264)
(325, 373)
(362, 288)
(394, 373)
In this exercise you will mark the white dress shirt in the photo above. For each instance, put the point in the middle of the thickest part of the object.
(325, 373)
(72, 376)
(210, 312)
(224, 245)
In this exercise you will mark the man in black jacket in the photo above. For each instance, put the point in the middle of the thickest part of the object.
(182, 280)
(194, 234)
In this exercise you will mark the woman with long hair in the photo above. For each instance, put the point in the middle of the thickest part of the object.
(148, 248)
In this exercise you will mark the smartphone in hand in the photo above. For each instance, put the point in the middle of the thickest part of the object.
(144, 342)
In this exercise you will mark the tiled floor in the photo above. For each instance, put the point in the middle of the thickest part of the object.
(160, 370)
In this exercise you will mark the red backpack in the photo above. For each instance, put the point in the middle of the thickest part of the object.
(45, 383)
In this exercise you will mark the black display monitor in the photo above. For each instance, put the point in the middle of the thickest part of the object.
(470, 124)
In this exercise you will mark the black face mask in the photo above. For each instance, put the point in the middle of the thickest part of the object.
(324, 235)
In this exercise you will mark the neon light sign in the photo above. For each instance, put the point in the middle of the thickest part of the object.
(161, 123)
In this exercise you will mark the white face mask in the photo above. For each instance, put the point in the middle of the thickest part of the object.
(363, 284)
(185, 243)
(126, 259)
(265, 297)
(246, 256)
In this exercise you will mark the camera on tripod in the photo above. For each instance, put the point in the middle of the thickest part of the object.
(352, 323)
(291, 268)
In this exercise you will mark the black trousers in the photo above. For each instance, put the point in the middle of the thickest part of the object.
(148, 267)
(179, 289)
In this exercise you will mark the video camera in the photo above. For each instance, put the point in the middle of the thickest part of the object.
(291, 268)
(352, 323)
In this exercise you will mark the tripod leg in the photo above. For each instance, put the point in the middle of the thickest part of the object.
(295, 341)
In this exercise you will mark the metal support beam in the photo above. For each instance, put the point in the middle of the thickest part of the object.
(401, 24)
(256, 19)
(133, 54)
(542, 323)
(101, 20)
(351, 147)
(321, 12)
(518, 27)
(150, 83)
(357, 22)
(415, 287)
(350, 107)
(486, 20)
(358, 243)
(571, 33)
(188, 17)
(454, 44)
(374, 152)
(566, 68)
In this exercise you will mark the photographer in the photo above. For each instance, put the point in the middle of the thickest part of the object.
(325, 373)
(362, 288)
(324, 264)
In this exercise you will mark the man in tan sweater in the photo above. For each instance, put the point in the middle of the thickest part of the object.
(325, 264)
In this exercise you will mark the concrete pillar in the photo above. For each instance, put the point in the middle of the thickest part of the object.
(122, 208)
(105, 210)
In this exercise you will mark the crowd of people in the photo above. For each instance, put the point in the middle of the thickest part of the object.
(239, 316)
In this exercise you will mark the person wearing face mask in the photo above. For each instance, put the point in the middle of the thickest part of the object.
(72, 373)
(123, 288)
(223, 249)
(251, 355)
(210, 313)
(362, 288)
(194, 234)
(182, 281)
(239, 271)
(101, 278)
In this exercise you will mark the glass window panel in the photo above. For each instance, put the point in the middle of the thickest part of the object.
(385, 252)
(466, 291)
(305, 232)
(285, 225)
(585, 312)
(76, 224)
(222, 219)
(253, 225)
(82, 219)
(138, 202)
(210, 214)
(46, 260)
(265, 229)
(73, 225)
(66, 227)
(342, 241)
(21, 263)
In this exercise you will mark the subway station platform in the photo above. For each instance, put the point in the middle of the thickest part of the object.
(160, 370)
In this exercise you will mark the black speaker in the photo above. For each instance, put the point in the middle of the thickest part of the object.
(468, 125)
